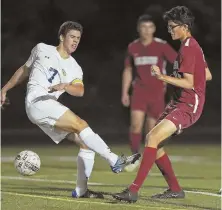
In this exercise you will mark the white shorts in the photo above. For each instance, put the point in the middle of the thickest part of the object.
(44, 113)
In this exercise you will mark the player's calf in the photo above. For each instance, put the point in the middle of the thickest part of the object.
(74, 137)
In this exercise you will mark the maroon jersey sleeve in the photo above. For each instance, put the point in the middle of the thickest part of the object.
(128, 62)
(205, 62)
(187, 60)
(169, 53)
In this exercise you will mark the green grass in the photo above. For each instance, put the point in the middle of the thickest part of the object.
(197, 168)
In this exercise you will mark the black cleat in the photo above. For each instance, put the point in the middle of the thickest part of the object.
(126, 195)
(88, 194)
(169, 194)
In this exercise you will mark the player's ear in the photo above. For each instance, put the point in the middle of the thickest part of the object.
(61, 38)
(185, 28)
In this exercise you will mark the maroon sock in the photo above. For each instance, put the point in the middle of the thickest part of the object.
(135, 139)
(166, 169)
(149, 157)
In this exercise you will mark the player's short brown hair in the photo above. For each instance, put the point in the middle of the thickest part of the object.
(180, 15)
(69, 25)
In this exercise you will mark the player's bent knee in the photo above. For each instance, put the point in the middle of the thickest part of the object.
(136, 128)
(79, 125)
(151, 140)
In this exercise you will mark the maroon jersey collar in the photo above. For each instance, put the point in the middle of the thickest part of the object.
(186, 40)
(145, 46)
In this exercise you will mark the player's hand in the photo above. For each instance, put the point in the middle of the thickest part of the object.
(125, 100)
(4, 99)
(58, 87)
(156, 71)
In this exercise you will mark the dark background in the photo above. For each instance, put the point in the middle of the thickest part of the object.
(108, 28)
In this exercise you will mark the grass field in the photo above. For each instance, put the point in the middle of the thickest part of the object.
(197, 167)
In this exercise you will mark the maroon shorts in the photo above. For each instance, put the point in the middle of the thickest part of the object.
(180, 114)
(151, 103)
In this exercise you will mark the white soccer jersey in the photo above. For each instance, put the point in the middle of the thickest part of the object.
(48, 68)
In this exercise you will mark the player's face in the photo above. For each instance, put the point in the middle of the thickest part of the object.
(146, 29)
(71, 41)
(175, 30)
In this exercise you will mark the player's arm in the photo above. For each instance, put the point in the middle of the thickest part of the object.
(127, 78)
(187, 69)
(185, 82)
(126, 83)
(76, 88)
(18, 77)
(208, 74)
(23, 72)
(207, 70)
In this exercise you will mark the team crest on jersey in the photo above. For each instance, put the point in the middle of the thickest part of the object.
(63, 72)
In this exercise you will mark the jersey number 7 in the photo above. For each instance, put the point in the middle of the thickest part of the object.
(53, 75)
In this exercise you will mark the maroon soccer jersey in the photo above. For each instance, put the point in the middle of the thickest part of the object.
(142, 57)
(191, 60)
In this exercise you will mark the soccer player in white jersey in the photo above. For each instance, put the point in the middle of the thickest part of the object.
(52, 71)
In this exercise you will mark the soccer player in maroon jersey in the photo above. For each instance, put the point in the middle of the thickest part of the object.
(148, 92)
(189, 83)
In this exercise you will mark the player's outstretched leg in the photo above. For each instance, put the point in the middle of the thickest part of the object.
(72, 123)
(95, 142)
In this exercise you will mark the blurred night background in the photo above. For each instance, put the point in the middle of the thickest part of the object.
(109, 26)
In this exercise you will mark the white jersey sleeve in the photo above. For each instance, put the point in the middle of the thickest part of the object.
(78, 77)
(32, 57)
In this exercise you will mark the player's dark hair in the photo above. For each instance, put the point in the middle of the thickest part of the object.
(69, 25)
(181, 15)
(145, 18)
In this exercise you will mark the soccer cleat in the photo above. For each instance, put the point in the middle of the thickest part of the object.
(132, 167)
(124, 161)
(169, 194)
(126, 195)
(88, 194)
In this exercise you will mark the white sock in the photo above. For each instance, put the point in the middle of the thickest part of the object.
(95, 143)
(85, 162)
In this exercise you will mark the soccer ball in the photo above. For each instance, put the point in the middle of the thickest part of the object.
(132, 167)
(27, 163)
